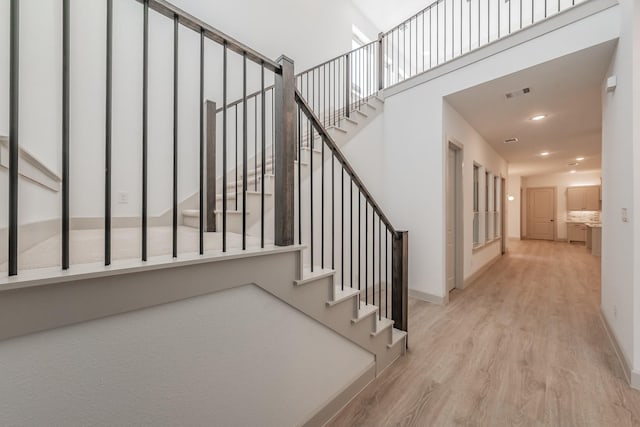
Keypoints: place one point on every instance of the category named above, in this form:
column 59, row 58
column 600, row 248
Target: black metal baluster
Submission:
column 359, row 244
column 14, row 147
column 342, row 226
column 264, row 155
column 224, row 147
column 145, row 127
column 373, row 255
column 347, row 85
column 321, row 204
column 107, row 134
column 175, row 136
column 380, row 263
column 333, row 211
column 202, row 207
column 351, row 230
column 444, row 32
column 438, row 32
column 244, row 151
column 366, row 250
column 386, row 273
column 311, row 188
column 488, row 21
column 545, row 9
column 299, row 176
column 66, row 57
column 499, row 11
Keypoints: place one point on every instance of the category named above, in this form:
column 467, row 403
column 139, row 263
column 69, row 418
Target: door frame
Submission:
column 503, row 210
column 459, row 214
column 555, row 209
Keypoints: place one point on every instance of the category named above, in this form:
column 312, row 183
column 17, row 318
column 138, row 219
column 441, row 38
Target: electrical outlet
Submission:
column 625, row 217
column 123, row 198
column 615, row 312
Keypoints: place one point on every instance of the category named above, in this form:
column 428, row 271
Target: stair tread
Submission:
column 340, row 295
column 318, row 273
column 364, row 312
column 382, row 325
column 396, row 336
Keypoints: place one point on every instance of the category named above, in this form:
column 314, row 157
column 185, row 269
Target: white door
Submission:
column 451, row 219
column 541, row 213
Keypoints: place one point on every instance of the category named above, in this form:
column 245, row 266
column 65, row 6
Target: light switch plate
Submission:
column 625, row 218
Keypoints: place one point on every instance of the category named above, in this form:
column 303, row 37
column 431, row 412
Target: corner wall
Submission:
column 619, row 153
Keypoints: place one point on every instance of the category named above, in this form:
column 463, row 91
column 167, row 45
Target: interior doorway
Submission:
column 454, row 225
column 541, row 213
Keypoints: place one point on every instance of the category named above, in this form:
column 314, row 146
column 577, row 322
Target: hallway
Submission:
column 524, row 345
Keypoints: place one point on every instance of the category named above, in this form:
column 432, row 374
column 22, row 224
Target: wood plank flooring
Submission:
column 523, row 346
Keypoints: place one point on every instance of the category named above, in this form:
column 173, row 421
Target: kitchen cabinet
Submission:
column 576, row 232
column 583, row 198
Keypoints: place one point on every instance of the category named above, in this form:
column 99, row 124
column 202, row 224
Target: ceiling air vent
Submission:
column 511, row 140
column 573, row 164
column 517, row 93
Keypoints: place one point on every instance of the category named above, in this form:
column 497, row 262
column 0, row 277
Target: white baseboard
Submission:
column 423, row 296
column 624, row 363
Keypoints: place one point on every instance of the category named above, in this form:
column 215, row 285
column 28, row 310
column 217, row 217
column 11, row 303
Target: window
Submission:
column 487, row 203
column 496, row 207
column 476, row 205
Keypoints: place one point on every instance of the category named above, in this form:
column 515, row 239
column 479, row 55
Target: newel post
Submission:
column 380, row 61
column 285, row 152
column 400, row 283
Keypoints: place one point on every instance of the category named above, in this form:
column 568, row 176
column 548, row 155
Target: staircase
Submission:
column 348, row 127
column 297, row 212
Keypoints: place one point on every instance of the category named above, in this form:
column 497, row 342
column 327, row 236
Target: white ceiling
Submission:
column 568, row 90
column 385, row 14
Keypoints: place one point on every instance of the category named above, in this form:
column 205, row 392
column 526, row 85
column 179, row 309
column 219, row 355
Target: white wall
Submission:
column 618, row 251
column 514, row 184
column 179, row 364
column 475, row 150
column 415, row 149
column 636, row 186
column 561, row 181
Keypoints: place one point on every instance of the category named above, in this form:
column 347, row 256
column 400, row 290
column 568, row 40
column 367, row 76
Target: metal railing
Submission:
column 336, row 88
column 207, row 34
column 343, row 226
column 443, row 31
column 447, row 29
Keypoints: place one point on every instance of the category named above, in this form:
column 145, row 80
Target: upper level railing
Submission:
column 445, row 30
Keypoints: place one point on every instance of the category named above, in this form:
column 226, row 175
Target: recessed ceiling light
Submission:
column 579, row 159
column 544, row 153
column 538, row 117
column 573, row 171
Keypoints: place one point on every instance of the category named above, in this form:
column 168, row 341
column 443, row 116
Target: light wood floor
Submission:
column 524, row 345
